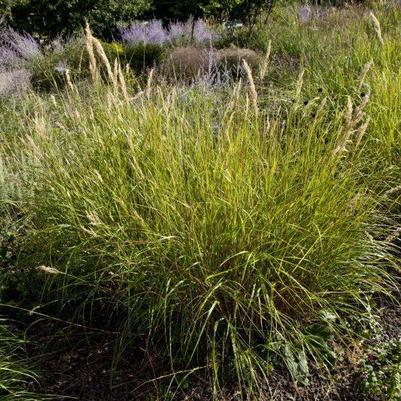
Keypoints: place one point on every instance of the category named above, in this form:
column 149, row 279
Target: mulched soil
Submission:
column 79, row 365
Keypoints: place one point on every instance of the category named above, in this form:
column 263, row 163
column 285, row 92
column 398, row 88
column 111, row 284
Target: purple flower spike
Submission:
column 151, row 32
column 177, row 33
column 155, row 33
column 9, row 58
column 23, row 44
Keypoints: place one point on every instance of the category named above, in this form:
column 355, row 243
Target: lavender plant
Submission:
column 304, row 13
column 139, row 32
column 178, row 33
column 23, row 45
column 8, row 58
column 182, row 33
column 16, row 49
column 14, row 82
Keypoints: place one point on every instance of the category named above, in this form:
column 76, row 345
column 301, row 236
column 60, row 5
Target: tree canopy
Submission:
column 233, row 9
column 54, row 17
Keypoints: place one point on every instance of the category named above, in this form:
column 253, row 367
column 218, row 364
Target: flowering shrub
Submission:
column 22, row 44
column 17, row 48
column 181, row 32
column 8, row 58
column 140, row 32
column 14, row 82
column 178, row 33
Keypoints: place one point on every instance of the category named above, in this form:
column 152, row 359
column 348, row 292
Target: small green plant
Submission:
column 14, row 375
column 48, row 72
column 381, row 371
column 142, row 56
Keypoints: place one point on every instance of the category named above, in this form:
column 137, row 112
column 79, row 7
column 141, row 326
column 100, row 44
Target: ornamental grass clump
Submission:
column 233, row 241
column 14, row 374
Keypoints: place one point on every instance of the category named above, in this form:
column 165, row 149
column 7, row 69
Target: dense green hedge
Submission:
column 66, row 16
column 238, row 9
column 55, row 17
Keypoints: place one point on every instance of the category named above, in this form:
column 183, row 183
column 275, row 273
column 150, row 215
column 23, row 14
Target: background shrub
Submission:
column 230, row 60
column 191, row 32
column 187, row 62
column 48, row 72
column 244, row 10
column 66, row 16
column 144, row 55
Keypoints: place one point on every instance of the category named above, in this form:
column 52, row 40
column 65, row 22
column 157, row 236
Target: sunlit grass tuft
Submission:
column 237, row 232
column 14, row 374
column 226, row 235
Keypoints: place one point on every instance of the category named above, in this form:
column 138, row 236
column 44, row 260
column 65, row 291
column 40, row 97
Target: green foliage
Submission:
column 14, row 375
column 44, row 76
column 4, row 11
column 219, row 243
column 236, row 228
column 144, row 55
column 381, row 371
column 48, row 72
column 113, row 50
column 66, row 16
column 246, row 10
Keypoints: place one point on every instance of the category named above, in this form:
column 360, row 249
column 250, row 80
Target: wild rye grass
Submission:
column 227, row 237
column 14, row 372
column 236, row 239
